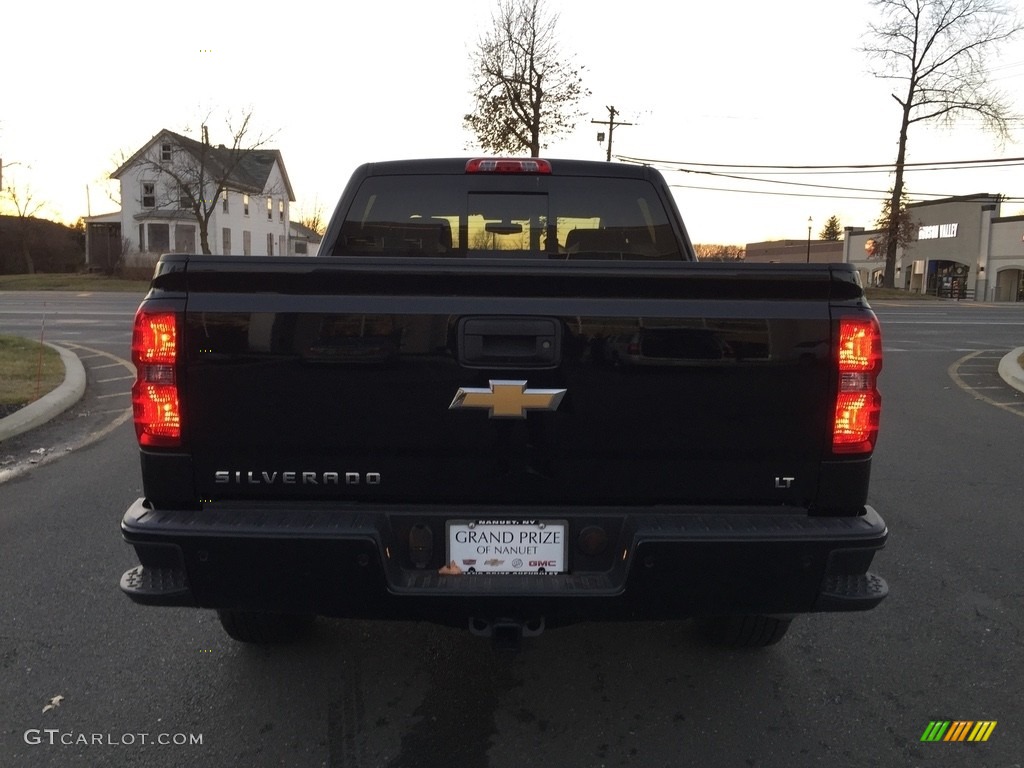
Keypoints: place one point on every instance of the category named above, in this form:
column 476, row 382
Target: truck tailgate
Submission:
column 333, row 379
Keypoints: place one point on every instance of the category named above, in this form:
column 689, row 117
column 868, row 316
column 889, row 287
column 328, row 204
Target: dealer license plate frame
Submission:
column 508, row 547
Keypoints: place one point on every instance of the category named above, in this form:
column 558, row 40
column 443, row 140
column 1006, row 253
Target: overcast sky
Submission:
column 748, row 82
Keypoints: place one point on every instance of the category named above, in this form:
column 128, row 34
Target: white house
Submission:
column 244, row 195
column 305, row 241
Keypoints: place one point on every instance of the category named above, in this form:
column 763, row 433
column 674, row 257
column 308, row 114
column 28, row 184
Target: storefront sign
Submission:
column 935, row 231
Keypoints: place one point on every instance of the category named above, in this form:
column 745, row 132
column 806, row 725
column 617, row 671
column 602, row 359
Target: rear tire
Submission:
column 262, row 628
column 754, row 631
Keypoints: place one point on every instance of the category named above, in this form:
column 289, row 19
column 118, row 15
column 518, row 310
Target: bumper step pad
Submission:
column 852, row 592
column 157, row 586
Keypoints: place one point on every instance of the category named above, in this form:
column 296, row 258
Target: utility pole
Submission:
column 612, row 125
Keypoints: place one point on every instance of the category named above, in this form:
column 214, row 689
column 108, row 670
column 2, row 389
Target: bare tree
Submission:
column 938, row 50
column 26, row 206
column 525, row 90
column 315, row 218
column 714, row 252
column 195, row 174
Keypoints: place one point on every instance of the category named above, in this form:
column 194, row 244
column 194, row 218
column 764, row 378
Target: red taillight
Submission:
column 155, row 339
column 860, row 346
column 508, row 165
column 155, row 401
column 858, row 402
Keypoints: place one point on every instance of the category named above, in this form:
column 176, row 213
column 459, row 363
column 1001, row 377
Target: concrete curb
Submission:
column 52, row 404
column 1010, row 369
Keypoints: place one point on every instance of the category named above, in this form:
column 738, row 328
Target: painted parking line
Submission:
column 1016, row 408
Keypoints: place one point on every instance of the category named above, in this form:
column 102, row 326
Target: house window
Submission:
column 246, row 242
column 225, row 235
column 270, row 244
column 142, row 238
column 270, row 209
column 300, row 248
column 280, row 210
column 224, row 201
column 245, row 205
column 184, row 198
column 149, row 194
column 159, row 238
column 165, row 153
column 184, row 238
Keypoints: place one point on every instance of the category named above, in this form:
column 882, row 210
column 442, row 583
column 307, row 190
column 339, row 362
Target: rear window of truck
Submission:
column 502, row 217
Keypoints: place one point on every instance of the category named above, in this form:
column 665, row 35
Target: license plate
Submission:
column 508, row 546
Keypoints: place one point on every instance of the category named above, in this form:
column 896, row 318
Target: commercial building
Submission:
column 963, row 249
column 794, row 252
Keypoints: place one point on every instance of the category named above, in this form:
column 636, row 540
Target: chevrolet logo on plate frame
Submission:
column 507, row 399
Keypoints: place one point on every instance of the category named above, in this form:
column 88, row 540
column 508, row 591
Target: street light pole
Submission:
column 809, row 239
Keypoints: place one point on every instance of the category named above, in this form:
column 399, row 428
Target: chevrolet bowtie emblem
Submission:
column 507, row 399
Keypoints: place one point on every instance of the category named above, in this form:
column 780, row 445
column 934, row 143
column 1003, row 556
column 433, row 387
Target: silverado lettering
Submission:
column 249, row 477
column 530, row 352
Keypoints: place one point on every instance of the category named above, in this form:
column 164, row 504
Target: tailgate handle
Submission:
column 510, row 342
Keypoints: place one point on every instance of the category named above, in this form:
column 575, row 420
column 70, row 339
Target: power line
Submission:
column 759, row 176
column 880, row 193
column 913, row 197
column 915, row 170
column 796, row 183
column 773, row 194
column 935, row 165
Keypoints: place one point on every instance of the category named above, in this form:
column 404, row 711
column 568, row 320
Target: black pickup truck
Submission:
column 505, row 396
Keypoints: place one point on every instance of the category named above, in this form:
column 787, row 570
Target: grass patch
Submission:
column 28, row 370
column 72, row 282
